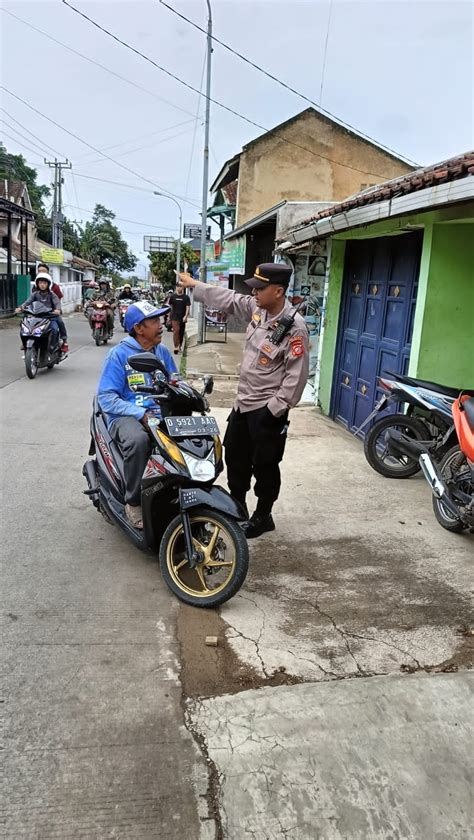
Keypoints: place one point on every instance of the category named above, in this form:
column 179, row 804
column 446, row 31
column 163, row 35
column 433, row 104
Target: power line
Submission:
column 195, row 129
column 216, row 102
column 24, row 146
column 324, row 59
column 121, row 184
column 141, row 137
column 97, row 63
column 119, row 219
column 139, row 148
column 28, row 131
column 38, row 148
column 90, row 146
column 284, row 84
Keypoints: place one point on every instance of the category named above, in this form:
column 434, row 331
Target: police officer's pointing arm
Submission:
column 296, row 374
column 225, row 299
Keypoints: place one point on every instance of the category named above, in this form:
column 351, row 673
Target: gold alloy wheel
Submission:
column 218, row 549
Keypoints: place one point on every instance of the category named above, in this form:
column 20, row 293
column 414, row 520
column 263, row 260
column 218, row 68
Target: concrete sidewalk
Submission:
column 217, row 357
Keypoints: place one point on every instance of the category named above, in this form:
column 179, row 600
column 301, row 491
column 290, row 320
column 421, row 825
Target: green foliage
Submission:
column 163, row 265
column 15, row 168
column 101, row 242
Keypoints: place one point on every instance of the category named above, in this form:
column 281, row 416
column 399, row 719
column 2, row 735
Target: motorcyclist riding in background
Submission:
column 127, row 293
column 43, row 294
column 105, row 293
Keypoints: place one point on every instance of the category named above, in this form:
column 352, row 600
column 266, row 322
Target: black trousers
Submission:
column 135, row 445
column 254, row 445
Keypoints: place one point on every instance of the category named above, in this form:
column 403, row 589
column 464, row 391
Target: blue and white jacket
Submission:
column 116, row 397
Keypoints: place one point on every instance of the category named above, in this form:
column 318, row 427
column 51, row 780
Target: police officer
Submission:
column 273, row 374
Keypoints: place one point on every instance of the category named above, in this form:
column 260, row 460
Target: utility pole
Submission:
column 205, row 172
column 178, row 243
column 57, row 215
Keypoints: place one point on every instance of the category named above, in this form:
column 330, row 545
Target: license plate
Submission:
column 191, row 426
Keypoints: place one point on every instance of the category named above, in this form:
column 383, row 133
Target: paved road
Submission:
column 96, row 745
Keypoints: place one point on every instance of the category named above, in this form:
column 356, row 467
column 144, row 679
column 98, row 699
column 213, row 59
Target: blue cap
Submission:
column 138, row 312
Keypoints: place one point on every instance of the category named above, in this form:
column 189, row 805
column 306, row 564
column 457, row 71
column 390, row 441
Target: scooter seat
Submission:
column 468, row 406
column 445, row 390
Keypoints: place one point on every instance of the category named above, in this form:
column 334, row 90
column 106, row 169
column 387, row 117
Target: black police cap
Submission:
column 270, row 274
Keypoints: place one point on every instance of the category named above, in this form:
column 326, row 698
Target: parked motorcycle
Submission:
column 428, row 421
column 191, row 523
column 123, row 306
column 97, row 313
column 37, row 339
column 452, row 481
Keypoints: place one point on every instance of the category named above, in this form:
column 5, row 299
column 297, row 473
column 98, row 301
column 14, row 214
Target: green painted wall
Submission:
column 331, row 322
column 443, row 340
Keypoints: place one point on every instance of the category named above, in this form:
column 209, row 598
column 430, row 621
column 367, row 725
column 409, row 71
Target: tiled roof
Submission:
column 430, row 176
column 12, row 190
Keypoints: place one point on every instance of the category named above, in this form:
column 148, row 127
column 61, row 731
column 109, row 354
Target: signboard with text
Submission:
column 160, row 244
column 195, row 231
column 55, row 256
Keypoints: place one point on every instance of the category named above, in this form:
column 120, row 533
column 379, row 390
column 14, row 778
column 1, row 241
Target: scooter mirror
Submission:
column 208, row 384
column 147, row 363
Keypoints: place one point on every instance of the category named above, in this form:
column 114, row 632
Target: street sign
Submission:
column 162, row 244
column 52, row 255
column 195, row 231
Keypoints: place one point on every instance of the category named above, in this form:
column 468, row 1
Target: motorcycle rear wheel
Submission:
column 452, row 463
column 378, row 456
column 225, row 559
column 31, row 362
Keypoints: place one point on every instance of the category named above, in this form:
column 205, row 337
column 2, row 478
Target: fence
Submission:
column 8, row 294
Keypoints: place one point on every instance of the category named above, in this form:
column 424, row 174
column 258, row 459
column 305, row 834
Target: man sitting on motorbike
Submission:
column 127, row 293
column 105, row 293
column 127, row 412
column 43, row 294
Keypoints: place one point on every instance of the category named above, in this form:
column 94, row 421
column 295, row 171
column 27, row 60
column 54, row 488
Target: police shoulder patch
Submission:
column 296, row 346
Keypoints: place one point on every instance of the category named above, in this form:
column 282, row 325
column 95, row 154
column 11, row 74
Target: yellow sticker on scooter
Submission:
column 136, row 379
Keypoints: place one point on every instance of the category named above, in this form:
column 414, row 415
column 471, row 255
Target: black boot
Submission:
column 257, row 525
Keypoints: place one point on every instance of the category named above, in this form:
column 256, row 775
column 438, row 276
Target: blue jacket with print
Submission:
column 115, row 395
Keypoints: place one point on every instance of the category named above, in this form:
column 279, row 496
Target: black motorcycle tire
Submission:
column 444, row 517
column 31, row 362
column 241, row 559
column 411, row 424
column 97, row 337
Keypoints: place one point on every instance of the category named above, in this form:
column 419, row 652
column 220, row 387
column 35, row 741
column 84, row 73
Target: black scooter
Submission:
column 395, row 441
column 37, row 339
column 192, row 524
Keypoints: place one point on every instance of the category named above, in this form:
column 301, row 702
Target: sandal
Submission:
column 134, row 516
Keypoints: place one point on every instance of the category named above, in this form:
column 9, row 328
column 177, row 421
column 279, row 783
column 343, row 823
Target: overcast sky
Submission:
column 401, row 72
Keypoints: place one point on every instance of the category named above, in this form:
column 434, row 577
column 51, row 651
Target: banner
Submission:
column 233, row 254
column 52, row 255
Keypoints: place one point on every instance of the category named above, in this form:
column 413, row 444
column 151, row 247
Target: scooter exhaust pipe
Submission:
column 401, row 445
column 438, row 486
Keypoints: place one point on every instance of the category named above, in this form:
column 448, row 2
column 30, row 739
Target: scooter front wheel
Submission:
column 31, row 362
column 222, row 563
column 97, row 337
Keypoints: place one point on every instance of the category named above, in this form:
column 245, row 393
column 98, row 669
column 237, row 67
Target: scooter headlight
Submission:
column 199, row 469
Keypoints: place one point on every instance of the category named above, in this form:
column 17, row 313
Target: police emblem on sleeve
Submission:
column 296, row 346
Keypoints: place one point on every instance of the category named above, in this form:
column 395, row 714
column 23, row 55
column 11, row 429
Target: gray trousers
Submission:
column 135, row 445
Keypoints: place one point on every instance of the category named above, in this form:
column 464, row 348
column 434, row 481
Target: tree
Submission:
column 163, row 265
column 101, row 242
column 15, row 168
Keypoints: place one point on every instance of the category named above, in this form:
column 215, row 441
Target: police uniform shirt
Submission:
column 271, row 375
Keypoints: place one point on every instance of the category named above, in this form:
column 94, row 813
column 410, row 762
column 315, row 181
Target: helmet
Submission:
column 43, row 276
column 127, row 286
column 138, row 312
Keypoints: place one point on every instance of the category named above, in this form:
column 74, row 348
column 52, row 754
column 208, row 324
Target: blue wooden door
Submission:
column 375, row 329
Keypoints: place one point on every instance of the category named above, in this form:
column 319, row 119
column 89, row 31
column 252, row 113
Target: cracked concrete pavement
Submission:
column 356, row 591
